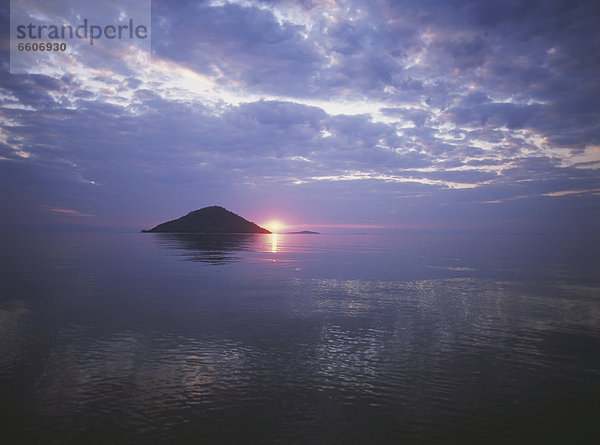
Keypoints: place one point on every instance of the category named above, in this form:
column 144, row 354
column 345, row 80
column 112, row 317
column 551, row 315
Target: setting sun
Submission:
column 274, row 226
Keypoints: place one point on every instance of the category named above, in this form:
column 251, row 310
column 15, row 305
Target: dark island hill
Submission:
column 213, row 219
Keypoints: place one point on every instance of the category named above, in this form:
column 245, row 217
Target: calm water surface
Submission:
column 307, row 339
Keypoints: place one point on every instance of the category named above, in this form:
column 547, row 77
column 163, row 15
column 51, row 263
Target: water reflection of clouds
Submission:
column 349, row 357
column 318, row 344
column 448, row 332
column 442, row 311
column 135, row 376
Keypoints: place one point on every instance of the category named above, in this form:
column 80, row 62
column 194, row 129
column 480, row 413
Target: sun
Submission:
column 274, row 226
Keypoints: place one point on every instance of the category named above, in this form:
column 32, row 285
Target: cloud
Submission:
column 237, row 45
column 410, row 111
column 69, row 212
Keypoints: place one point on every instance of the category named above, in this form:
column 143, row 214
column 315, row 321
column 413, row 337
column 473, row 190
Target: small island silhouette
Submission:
column 214, row 219
column 303, row 232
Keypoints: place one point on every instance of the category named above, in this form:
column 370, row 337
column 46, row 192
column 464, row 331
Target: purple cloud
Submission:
column 437, row 112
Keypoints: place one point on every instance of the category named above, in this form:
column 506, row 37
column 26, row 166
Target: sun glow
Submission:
column 275, row 226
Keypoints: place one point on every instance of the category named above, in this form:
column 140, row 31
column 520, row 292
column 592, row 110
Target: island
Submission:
column 303, row 232
column 214, row 219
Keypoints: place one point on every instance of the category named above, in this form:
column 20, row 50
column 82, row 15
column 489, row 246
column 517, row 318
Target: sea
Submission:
column 411, row 337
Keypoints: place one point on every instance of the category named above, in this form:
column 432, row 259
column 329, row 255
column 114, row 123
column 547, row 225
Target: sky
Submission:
column 328, row 115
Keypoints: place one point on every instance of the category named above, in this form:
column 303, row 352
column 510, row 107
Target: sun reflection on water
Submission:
column 273, row 243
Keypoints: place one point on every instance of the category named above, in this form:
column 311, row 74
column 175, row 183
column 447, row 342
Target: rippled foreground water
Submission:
column 317, row 339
